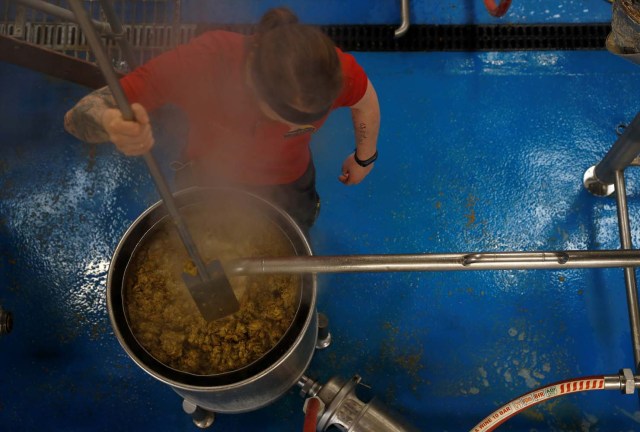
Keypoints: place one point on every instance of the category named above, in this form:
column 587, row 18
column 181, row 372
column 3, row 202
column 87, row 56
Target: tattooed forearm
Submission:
column 83, row 124
column 361, row 133
column 366, row 125
column 84, row 120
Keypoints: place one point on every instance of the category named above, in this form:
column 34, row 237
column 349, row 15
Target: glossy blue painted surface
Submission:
column 478, row 152
column 388, row 12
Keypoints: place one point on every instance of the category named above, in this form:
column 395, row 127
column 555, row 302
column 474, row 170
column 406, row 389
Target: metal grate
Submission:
column 154, row 26
column 151, row 26
column 459, row 37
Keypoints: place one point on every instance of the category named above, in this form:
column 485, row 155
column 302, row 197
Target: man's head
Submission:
column 295, row 69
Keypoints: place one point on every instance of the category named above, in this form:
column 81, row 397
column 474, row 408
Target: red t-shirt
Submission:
column 227, row 130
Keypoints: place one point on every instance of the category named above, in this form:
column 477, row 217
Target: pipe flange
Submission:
column 594, row 185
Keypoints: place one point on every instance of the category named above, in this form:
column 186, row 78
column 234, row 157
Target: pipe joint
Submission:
column 308, row 387
column 627, row 381
column 594, row 185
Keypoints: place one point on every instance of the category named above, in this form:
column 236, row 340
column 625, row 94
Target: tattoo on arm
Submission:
column 361, row 133
column 84, row 120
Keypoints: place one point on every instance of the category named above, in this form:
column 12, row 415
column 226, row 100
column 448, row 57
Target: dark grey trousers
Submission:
column 299, row 198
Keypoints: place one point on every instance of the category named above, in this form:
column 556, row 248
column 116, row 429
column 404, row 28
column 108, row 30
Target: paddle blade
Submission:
column 214, row 297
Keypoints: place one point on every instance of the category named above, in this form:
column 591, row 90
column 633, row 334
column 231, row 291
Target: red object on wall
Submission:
column 497, row 10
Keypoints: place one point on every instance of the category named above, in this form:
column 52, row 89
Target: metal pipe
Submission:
column 60, row 12
column 118, row 33
column 404, row 11
column 629, row 272
column 552, row 260
column 623, row 151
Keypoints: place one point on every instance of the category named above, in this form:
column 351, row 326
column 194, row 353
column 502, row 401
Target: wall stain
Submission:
column 471, row 216
column 409, row 361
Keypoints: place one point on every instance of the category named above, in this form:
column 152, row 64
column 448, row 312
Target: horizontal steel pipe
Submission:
column 550, row 260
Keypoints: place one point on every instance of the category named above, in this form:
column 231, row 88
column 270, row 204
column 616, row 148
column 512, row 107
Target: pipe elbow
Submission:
column 404, row 26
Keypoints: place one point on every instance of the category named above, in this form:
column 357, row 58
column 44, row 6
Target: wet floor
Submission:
column 478, row 152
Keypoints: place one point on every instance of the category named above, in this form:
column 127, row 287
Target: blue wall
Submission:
column 478, row 152
column 388, row 11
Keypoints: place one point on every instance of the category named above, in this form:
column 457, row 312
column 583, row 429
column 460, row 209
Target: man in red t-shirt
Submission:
column 252, row 103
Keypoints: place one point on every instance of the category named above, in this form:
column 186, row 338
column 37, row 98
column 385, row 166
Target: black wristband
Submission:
column 366, row 162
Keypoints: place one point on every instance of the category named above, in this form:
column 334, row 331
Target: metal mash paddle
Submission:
column 210, row 289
